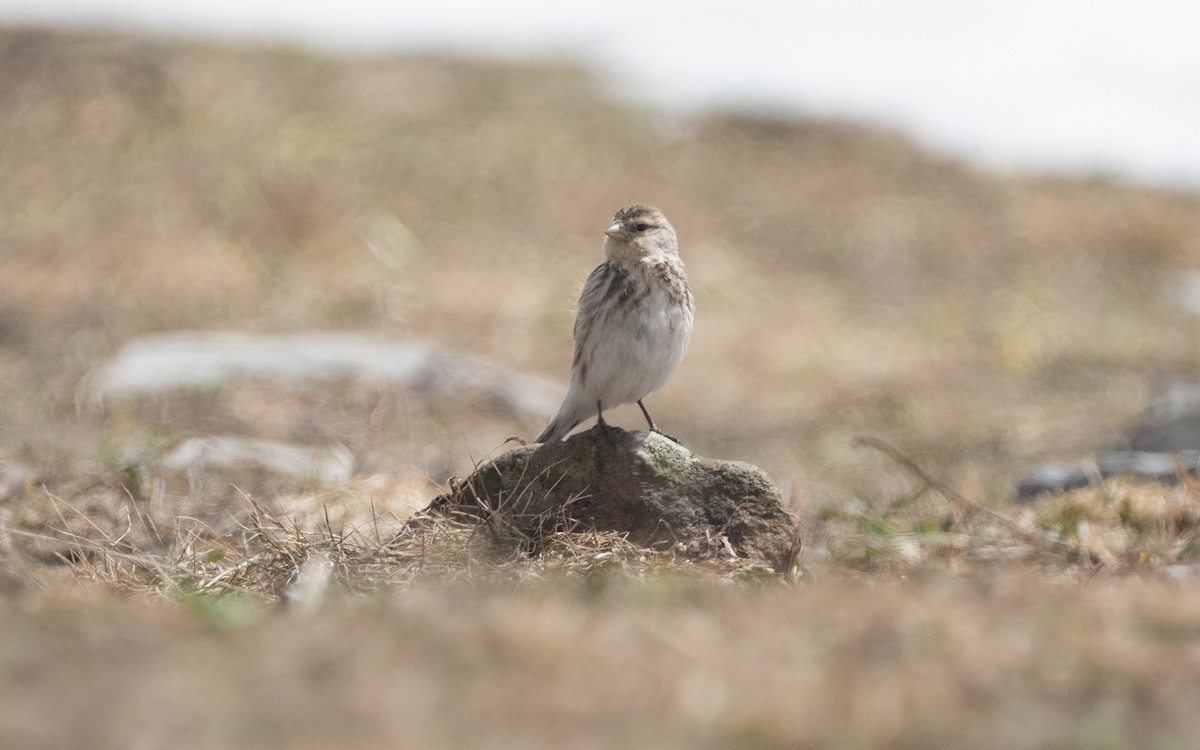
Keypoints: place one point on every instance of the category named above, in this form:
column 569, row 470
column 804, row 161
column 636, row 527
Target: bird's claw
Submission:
column 672, row 438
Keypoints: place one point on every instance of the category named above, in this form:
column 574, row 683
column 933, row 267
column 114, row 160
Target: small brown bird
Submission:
column 633, row 323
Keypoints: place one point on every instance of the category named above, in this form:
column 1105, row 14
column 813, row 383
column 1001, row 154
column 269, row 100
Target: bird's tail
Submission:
column 556, row 431
column 567, row 419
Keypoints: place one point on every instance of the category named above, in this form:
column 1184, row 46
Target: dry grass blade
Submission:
column 958, row 499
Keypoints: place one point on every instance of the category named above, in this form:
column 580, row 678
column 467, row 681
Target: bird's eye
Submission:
column 642, row 227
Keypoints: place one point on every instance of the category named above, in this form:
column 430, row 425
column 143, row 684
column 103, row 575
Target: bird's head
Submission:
column 639, row 231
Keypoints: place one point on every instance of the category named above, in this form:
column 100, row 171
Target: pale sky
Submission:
column 1049, row 84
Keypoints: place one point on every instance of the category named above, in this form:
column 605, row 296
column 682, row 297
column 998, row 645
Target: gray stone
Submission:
column 159, row 362
column 1165, row 442
column 639, row 483
column 1146, row 466
column 322, row 466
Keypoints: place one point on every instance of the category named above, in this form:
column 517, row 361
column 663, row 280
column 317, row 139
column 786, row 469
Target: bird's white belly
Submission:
column 639, row 356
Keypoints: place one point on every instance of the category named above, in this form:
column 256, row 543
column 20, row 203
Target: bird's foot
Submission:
column 611, row 434
column 672, row 438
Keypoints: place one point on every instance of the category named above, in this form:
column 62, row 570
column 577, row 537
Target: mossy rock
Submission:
column 639, row 483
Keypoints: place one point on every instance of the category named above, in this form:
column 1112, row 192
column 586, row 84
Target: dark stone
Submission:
column 1165, row 443
column 639, row 483
column 1146, row 466
column 1178, row 434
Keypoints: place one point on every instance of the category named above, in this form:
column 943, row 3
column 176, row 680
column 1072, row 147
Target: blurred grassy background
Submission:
column 847, row 282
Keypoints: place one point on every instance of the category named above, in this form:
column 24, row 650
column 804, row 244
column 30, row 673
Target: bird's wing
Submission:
column 591, row 299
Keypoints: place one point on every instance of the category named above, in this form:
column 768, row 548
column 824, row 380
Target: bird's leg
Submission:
column 649, row 419
column 605, row 427
column 654, row 427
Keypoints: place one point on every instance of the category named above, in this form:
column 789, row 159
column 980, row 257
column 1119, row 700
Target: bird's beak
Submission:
column 615, row 231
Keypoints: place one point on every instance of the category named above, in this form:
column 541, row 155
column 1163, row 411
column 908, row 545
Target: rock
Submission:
column 1170, row 422
column 1146, row 466
column 1166, row 441
column 211, row 465
column 639, row 483
column 322, row 466
column 202, row 359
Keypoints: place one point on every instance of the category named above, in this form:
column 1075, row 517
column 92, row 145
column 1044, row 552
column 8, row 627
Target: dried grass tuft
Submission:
column 1115, row 527
column 275, row 558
